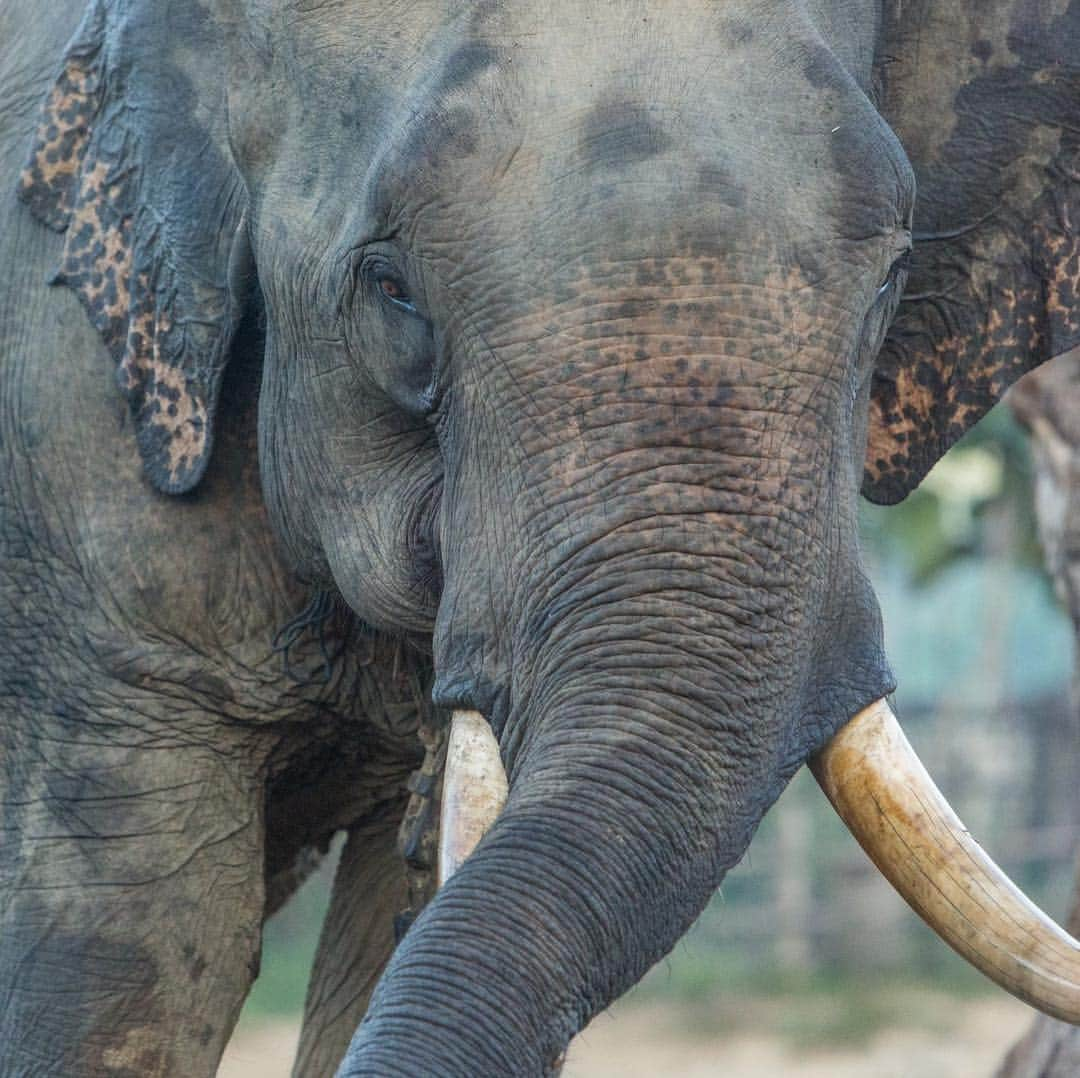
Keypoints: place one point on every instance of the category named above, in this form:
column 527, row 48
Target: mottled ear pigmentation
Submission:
column 152, row 209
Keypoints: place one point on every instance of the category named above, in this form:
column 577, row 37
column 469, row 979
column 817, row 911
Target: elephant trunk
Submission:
column 564, row 905
column 629, row 800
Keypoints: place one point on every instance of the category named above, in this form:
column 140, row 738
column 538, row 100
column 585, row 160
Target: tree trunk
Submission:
column 1048, row 402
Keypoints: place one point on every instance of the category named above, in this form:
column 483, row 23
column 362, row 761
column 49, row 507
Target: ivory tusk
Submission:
column 882, row 792
column 474, row 789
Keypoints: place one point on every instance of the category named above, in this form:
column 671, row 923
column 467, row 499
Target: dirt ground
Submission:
column 647, row 1040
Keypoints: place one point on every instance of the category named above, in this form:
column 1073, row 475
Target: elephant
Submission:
column 478, row 358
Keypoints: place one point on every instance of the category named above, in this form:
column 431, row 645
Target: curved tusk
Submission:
column 474, row 789
column 882, row 792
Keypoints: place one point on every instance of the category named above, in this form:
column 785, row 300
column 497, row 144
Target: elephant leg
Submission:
column 131, row 897
column 356, row 943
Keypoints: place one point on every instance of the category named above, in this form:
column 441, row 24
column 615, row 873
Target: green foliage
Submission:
column 289, row 942
column 824, row 1007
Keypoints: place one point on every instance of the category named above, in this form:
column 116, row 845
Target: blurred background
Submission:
column 806, row 963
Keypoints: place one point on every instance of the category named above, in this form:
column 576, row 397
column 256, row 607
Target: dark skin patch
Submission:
column 619, row 134
column 739, row 33
column 452, row 135
column 714, row 181
column 358, row 101
column 467, row 63
column 821, row 69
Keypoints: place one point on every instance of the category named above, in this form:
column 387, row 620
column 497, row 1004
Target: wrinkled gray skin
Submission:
column 560, row 320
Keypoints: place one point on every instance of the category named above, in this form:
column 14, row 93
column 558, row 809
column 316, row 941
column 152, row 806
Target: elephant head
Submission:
column 583, row 330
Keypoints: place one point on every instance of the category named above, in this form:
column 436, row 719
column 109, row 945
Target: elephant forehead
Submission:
column 496, row 120
column 600, row 97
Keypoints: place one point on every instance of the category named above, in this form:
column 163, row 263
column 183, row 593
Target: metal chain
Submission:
column 418, row 835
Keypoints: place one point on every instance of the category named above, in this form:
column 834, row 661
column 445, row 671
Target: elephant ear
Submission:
column 131, row 162
column 985, row 97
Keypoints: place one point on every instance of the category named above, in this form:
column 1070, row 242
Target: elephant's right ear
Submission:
column 131, row 161
column 985, row 97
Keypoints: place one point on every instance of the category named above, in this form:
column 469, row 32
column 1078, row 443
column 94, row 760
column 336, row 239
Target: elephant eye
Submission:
column 394, row 289
column 898, row 267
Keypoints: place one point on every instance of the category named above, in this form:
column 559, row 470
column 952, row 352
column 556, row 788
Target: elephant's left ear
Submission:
column 985, row 97
column 131, row 162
